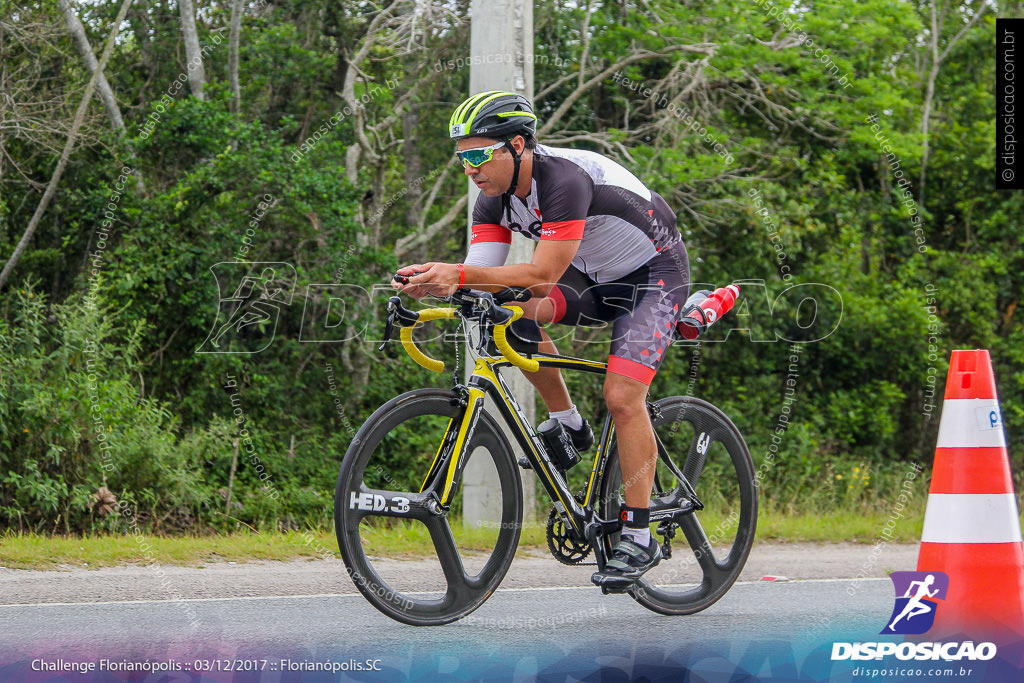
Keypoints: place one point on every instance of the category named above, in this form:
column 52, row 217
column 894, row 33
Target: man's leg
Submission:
column 637, row 550
column 547, row 381
column 640, row 341
column 549, row 384
column 638, row 451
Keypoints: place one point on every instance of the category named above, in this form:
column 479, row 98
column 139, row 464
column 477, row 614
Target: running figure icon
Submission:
column 252, row 310
column 916, row 606
column 250, row 299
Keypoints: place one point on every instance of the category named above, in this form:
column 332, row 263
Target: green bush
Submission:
column 74, row 418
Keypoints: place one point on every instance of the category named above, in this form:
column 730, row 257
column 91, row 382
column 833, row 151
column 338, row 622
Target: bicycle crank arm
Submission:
column 679, row 499
column 684, row 508
column 594, row 532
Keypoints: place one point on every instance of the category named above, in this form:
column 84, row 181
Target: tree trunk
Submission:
column 938, row 22
column 925, row 120
column 413, row 166
column 144, row 26
column 231, row 480
column 77, row 32
column 929, row 96
column 51, row 188
column 233, row 37
column 196, row 72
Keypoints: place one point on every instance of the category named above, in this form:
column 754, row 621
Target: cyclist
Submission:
column 608, row 250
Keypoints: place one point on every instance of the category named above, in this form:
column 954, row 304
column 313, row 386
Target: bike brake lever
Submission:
column 388, row 329
column 500, row 315
column 481, row 345
column 389, row 326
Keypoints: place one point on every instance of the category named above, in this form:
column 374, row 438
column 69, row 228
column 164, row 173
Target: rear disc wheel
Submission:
column 698, row 441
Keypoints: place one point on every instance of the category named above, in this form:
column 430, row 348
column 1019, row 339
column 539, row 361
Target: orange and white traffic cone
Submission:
column 971, row 527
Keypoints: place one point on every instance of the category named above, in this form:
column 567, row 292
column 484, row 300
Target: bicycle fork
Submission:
column 451, row 454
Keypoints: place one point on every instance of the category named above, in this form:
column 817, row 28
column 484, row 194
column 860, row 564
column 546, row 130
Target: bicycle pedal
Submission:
column 610, row 584
column 525, row 464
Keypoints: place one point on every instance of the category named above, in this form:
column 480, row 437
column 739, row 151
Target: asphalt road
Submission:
column 535, row 617
column 543, row 632
column 532, row 568
column 298, row 621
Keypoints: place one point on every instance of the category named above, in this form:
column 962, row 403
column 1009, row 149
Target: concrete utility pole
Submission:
column 501, row 52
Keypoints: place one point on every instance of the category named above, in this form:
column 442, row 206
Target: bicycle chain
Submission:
column 455, row 372
column 667, row 529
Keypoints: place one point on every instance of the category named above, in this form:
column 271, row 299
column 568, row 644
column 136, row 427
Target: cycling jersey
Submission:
column 631, row 268
column 643, row 308
column 581, row 195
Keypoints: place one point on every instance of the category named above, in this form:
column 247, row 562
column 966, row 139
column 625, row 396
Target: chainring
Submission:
column 564, row 547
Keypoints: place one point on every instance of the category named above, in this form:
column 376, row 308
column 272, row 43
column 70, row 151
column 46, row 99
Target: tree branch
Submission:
column 432, row 195
column 701, row 48
column 965, row 29
column 51, row 189
column 407, row 244
column 77, row 32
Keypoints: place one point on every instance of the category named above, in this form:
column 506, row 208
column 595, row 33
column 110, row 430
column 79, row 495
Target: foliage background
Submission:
column 356, row 195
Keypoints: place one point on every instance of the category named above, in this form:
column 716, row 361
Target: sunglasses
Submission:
column 478, row 156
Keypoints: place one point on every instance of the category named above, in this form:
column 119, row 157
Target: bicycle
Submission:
column 431, row 434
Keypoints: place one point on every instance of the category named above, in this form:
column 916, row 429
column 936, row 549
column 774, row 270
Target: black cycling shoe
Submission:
column 629, row 562
column 582, row 438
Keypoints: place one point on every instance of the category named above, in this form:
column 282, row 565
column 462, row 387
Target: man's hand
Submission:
column 550, row 260
column 438, row 279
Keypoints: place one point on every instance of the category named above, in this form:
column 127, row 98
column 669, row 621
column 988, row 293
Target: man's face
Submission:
column 495, row 176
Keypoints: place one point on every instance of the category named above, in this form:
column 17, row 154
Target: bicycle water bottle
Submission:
column 703, row 308
column 559, row 445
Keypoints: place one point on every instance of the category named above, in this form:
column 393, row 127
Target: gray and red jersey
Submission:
column 631, row 268
column 579, row 195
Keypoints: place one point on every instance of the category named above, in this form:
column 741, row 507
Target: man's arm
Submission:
column 550, row 261
column 564, row 193
column 551, row 258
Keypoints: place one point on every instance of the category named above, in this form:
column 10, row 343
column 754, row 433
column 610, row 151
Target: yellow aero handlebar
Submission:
column 405, row 334
column 500, row 340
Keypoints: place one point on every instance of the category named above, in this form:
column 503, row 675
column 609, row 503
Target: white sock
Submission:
column 570, row 418
column 642, row 537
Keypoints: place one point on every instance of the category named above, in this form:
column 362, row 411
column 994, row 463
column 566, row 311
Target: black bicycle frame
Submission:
column 577, row 514
column 581, row 518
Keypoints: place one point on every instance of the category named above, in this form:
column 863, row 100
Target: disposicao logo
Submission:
column 947, row 652
column 917, row 596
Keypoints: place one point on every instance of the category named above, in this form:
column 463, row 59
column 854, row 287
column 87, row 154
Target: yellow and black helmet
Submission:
column 495, row 114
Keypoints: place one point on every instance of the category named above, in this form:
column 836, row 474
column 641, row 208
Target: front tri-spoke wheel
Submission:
column 709, row 547
column 386, row 512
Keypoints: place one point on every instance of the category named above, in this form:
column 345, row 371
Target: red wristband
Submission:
column 462, row 274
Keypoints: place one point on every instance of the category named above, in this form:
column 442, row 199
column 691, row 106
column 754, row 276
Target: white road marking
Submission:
column 348, row 595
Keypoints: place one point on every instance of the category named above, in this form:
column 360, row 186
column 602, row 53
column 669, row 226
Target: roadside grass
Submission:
column 31, row 551
column 838, row 526
column 405, row 540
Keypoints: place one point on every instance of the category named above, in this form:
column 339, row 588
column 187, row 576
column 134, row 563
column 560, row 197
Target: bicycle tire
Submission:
column 697, row 576
column 391, row 448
